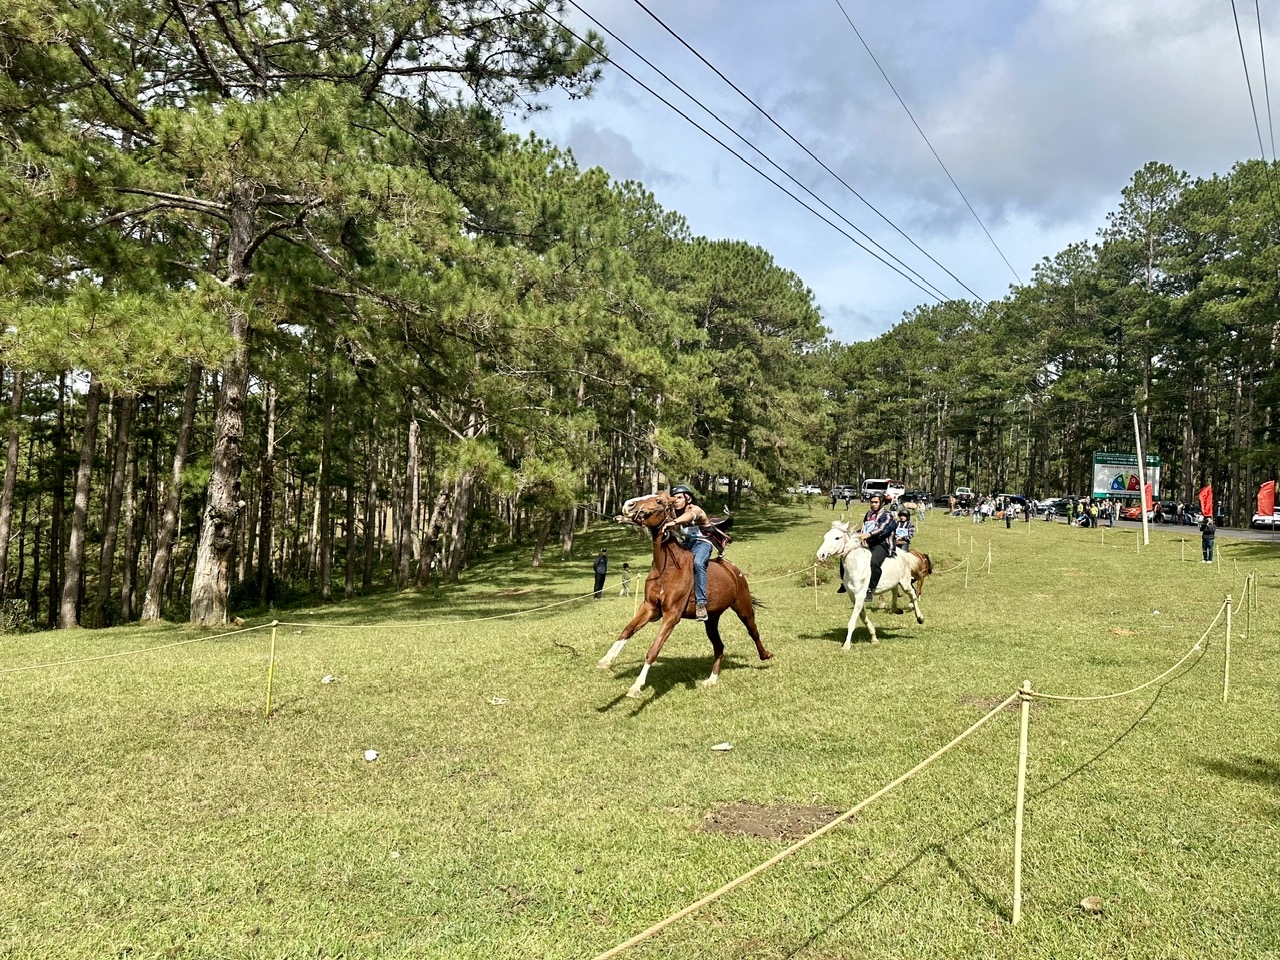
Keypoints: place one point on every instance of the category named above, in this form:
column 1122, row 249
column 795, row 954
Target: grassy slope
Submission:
column 149, row 806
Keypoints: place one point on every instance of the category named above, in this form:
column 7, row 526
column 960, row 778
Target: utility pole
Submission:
column 1142, row 482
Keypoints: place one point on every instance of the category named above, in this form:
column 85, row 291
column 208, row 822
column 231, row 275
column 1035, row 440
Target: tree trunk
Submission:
column 266, row 513
column 431, row 540
column 349, row 521
column 10, row 480
column 152, row 605
column 111, row 522
column 210, row 585
column 409, row 502
column 326, row 527
column 132, row 541
column 80, row 508
column 371, row 518
column 57, row 558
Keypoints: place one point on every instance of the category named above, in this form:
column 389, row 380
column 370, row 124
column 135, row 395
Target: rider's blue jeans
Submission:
column 701, row 551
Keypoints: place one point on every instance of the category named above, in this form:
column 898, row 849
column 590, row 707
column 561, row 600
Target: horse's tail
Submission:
column 757, row 603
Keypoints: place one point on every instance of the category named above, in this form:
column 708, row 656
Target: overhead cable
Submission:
column 923, row 287
column 858, row 34
column 802, row 146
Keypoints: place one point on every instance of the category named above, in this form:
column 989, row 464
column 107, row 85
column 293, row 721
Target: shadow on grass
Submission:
column 1258, row 770
column 667, row 674
column 995, row 903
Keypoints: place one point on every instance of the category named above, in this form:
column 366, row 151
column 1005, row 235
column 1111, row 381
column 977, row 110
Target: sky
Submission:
column 1041, row 111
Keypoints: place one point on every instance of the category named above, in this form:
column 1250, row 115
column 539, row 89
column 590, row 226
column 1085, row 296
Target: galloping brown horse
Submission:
column 668, row 591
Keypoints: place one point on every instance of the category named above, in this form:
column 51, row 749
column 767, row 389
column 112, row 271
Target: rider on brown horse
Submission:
column 695, row 539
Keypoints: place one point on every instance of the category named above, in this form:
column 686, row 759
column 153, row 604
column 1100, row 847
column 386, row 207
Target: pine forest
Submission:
column 288, row 313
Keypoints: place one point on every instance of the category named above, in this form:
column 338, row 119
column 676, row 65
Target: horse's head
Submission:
column 648, row 511
column 840, row 539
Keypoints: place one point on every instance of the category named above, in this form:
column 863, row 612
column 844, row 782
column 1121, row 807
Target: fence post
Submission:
column 1226, row 666
column 1020, row 804
column 988, row 557
column 815, row 586
column 271, row 667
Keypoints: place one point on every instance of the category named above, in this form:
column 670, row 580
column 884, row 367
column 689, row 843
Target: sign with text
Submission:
column 1116, row 475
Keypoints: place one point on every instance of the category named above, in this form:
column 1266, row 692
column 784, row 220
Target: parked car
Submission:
column 1265, row 521
column 1131, row 513
column 1056, row 505
column 917, row 496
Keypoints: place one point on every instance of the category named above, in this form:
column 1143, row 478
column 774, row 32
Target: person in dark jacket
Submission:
column 1207, row 534
column 601, row 568
column 879, row 529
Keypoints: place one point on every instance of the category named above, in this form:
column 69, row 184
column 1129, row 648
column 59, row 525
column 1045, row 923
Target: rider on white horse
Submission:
column 878, row 532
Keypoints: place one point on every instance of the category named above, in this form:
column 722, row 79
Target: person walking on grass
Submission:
column 626, row 581
column 1207, row 533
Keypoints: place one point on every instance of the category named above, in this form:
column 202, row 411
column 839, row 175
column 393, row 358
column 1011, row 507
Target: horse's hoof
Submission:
column 604, row 663
column 920, row 620
column 847, row 645
column 767, row 655
column 634, row 693
column 875, row 639
column 710, row 682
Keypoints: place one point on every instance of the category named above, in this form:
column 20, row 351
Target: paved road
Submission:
column 1193, row 533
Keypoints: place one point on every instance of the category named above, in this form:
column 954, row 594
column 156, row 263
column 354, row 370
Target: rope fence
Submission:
column 1024, row 694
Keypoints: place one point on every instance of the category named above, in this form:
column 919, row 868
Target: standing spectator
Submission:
column 906, row 530
column 1222, row 513
column 1093, row 514
column 835, row 496
column 1008, row 514
column 1207, row 533
column 1111, row 513
column 601, row 567
column 626, row 580
column 848, row 497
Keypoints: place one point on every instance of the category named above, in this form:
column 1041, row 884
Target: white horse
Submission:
column 899, row 573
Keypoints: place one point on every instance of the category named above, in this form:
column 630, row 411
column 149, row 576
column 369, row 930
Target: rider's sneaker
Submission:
column 700, row 612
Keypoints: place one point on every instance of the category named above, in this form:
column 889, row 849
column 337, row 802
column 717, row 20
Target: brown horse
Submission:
column 668, row 591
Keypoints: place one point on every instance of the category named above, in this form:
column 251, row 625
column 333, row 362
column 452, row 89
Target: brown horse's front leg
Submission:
column 648, row 611
column 717, row 649
column 669, row 620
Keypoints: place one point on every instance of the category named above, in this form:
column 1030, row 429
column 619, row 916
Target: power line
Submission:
column 761, row 153
column 858, row 34
column 1253, row 106
column 1266, row 88
column 1248, row 82
column 789, row 136
column 934, row 293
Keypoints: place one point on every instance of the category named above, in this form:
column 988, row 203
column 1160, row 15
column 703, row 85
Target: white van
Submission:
column 889, row 489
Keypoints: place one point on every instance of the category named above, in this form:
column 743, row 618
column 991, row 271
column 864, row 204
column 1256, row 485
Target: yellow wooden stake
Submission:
column 988, row 557
column 271, row 666
column 815, row 586
column 966, row 574
column 1021, row 801
column 1226, row 665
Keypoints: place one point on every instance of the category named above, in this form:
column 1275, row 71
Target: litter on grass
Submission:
column 371, row 755
column 723, row 746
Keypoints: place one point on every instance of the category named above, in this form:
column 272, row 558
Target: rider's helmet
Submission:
column 681, row 488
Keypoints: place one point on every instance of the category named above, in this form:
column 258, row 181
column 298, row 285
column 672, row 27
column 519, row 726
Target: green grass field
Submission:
column 522, row 806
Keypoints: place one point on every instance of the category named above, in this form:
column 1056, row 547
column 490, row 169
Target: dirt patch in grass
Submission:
column 777, row 822
column 516, row 592
column 1122, row 632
